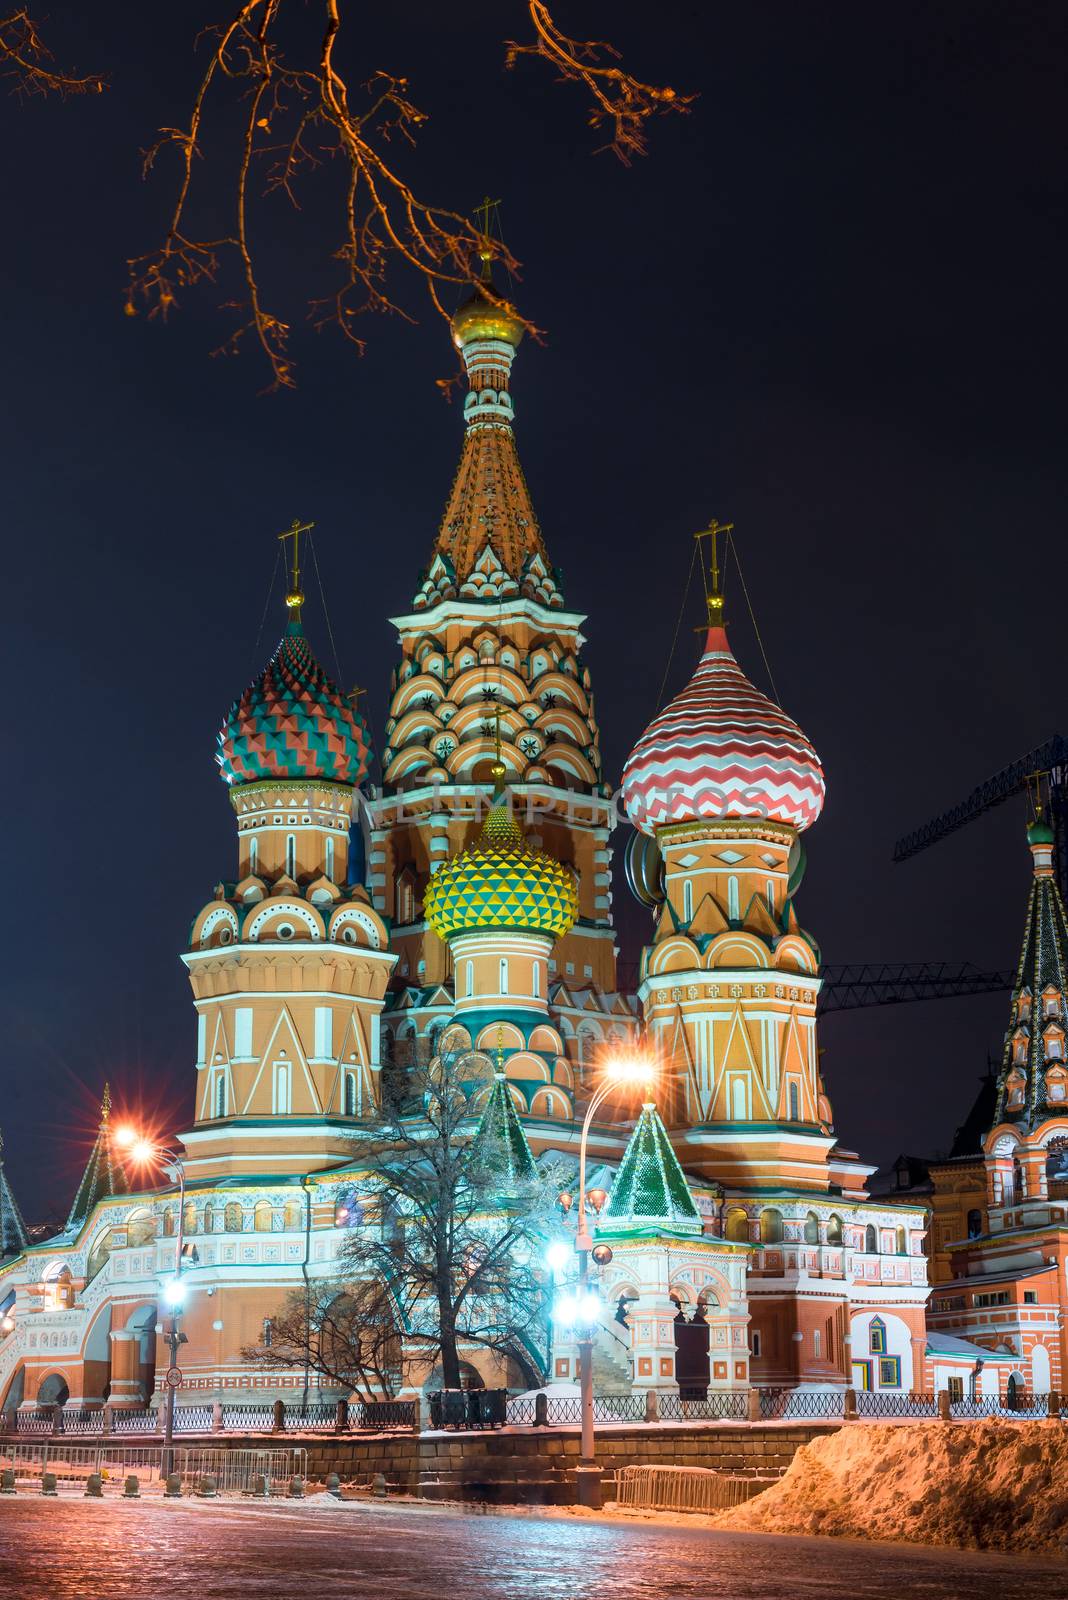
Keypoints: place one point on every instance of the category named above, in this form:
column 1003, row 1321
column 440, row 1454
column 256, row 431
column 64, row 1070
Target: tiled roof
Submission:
column 722, row 749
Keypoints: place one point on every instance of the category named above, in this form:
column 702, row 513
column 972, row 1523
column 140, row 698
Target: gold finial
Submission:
column 294, row 597
column 500, row 1050
column 498, row 768
column 486, row 214
column 105, row 1106
column 713, row 587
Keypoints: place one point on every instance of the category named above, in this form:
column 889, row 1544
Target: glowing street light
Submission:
column 623, row 1069
column 558, row 1255
column 144, row 1152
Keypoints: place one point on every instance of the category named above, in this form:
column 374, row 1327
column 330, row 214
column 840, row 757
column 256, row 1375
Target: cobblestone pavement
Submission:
column 70, row 1549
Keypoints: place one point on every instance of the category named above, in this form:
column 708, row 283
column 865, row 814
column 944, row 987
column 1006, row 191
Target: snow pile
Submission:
column 980, row 1485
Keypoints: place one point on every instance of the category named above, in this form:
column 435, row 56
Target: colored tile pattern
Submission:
column 499, row 1149
column 500, row 882
column 293, row 722
column 722, row 749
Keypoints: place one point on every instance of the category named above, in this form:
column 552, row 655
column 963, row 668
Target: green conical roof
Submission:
column 103, row 1175
column 1043, row 974
column 12, row 1228
column 499, row 1148
column 650, row 1186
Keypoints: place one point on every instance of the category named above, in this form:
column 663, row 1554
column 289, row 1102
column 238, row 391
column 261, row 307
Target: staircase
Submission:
column 611, row 1360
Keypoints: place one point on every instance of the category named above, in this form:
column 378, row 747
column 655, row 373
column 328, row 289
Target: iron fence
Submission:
column 880, row 1403
column 249, row 1418
column 382, row 1415
column 319, row 1417
column 192, row 1419
column 681, row 1488
column 135, row 1421
column 802, row 1405
column 520, row 1411
column 1022, row 1407
column 729, row 1406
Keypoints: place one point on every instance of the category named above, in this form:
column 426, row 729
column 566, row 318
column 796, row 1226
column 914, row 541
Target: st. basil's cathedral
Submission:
column 466, row 901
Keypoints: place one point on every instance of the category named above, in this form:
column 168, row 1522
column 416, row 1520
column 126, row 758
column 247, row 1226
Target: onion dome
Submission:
column 293, row 722
column 722, row 749
column 501, row 882
column 480, row 318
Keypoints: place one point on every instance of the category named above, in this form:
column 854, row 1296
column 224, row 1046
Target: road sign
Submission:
column 174, row 1377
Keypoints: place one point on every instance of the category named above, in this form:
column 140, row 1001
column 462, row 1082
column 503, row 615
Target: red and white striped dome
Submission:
column 722, row 749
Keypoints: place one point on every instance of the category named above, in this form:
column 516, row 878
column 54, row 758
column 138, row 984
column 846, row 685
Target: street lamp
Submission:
column 144, row 1152
column 620, row 1072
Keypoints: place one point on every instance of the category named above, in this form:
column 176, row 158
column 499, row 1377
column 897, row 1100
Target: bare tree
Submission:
column 26, row 61
column 300, row 108
column 345, row 1333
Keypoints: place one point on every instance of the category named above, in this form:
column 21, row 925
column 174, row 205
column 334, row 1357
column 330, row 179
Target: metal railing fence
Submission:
column 681, row 1488
column 877, row 1403
column 802, row 1405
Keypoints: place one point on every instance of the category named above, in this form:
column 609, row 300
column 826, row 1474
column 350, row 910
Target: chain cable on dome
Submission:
column 267, row 602
column 752, row 617
column 678, row 625
column 326, row 612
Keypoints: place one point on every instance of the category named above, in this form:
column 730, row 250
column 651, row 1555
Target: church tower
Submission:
column 289, row 961
column 724, row 783
column 490, row 652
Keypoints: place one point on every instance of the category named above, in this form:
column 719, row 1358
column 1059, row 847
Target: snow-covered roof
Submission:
column 946, row 1344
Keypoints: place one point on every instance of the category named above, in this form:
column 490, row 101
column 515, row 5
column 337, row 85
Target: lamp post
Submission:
column 619, row 1073
column 168, row 1161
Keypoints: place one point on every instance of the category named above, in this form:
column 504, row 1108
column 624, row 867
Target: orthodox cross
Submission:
column 294, row 597
column 713, row 588
column 486, row 214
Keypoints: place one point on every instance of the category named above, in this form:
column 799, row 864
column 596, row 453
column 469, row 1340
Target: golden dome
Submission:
column 479, row 318
column 501, row 882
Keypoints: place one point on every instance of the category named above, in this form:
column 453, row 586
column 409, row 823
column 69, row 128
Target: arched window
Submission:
column 169, row 1223
column 687, row 901
column 795, row 1102
column 293, row 1216
column 291, row 855
column 536, row 979
column 220, row 1095
column 732, row 899
column 902, row 1243
column 503, row 977
column 233, row 1217
column 350, row 1094
column 812, row 1228
column 770, row 891
column 210, row 1218
column 329, row 859
column 1019, row 1189
column 262, row 1214
column 253, row 855
column 470, row 979
column 98, row 1255
column 834, row 1229
column 771, row 1226
column 871, row 1242
column 189, row 1217
column 282, row 1102
column 737, row 1226
column 140, row 1228
column 975, row 1224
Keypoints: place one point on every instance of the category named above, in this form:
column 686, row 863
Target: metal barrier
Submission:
column 235, row 1470
column 881, row 1403
column 382, row 1414
column 320, row 1417
column 681, row 1489
column 728, row 1406
column 789, row 1405
column 250, row 1419
column 1024, row 1408
column 135, row 1422
column 73, row 1463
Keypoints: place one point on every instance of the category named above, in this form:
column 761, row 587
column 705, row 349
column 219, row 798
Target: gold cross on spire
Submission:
column 486, row 215
column 498, row 769
column 294, row 597
column 713, row 586
column 105, row 1106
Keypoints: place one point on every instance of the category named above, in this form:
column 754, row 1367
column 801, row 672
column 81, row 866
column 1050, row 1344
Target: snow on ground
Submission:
column 979, row 1485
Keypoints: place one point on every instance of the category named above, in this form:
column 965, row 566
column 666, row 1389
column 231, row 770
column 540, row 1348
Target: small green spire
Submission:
column 650, row 1187
column 499, row 1149
column 103, row 1176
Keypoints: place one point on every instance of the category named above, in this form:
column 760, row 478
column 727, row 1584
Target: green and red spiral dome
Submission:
column 293, row 722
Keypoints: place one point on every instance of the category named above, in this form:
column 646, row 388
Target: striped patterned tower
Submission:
column 726, row 782
column 722, row 749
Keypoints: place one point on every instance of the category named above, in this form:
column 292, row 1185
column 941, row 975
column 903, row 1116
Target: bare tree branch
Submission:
column 300, row 112
column 24, row 58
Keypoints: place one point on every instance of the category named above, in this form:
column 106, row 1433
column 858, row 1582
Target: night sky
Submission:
column 827, row 306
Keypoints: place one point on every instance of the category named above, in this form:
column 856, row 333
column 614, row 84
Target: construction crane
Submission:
column 1048, row 766
column 885, row 983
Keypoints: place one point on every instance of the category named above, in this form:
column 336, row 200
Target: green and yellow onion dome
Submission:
column 480, row 318
column 502, row 882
